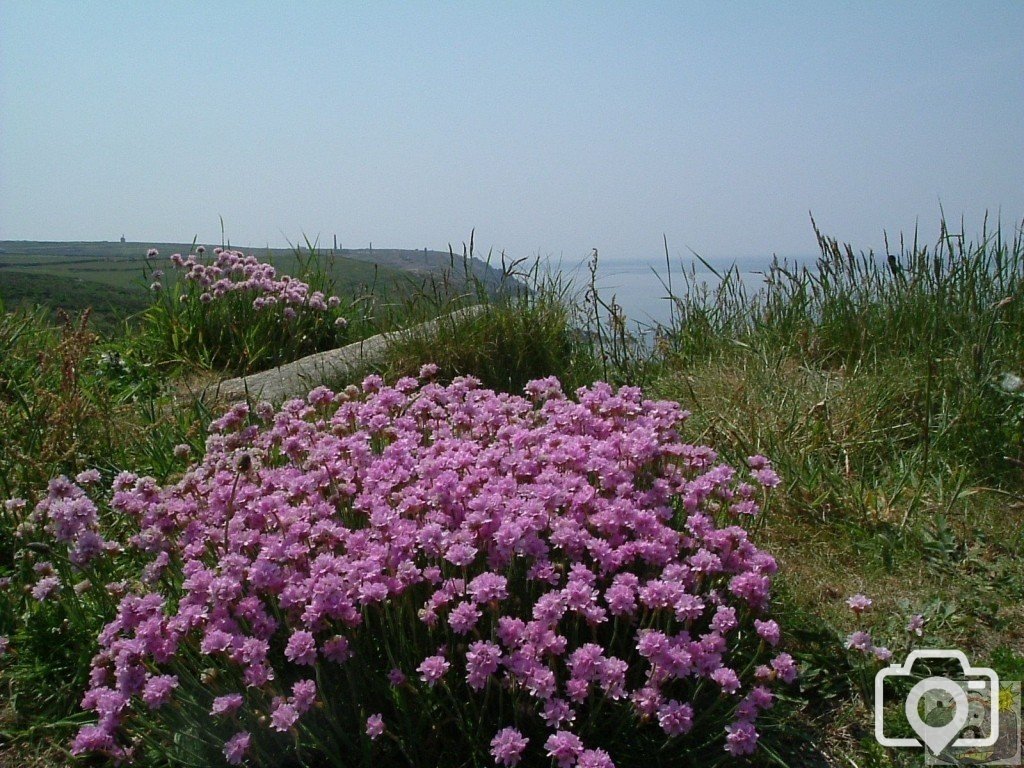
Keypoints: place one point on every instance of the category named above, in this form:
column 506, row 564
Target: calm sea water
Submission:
column 640, row 286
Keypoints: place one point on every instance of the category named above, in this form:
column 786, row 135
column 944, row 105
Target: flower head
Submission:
column 507, row 746
column 374, row 726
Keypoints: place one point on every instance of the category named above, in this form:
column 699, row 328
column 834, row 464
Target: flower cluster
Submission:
column 573, row 555
column 70, row 517
column 234, row 272
column 861, row 640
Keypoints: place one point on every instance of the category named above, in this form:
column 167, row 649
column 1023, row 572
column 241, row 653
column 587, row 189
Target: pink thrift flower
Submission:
column 507, row 746
column 374, row 726
column 757, row 462
column 301, row 648
column 88, row 477
column 674, row 718
column 859, row 603
column 464, row 617
column 860, row 641
column 564, row 748
column 741, row 738
column 236, row 747
column 303, row 695
column 768, row 630
column 45, row 588
column 727, row 679
column 158, row 690
column 227, row 704
column 785, row 667
column 432, row 669
column 916, row 624
column 283, row 716
column 882, row 653
column 337, row 649
column 594, row 758
column 488, row 587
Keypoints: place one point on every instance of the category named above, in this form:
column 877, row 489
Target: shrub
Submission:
column 237, row 314
column 434, row 576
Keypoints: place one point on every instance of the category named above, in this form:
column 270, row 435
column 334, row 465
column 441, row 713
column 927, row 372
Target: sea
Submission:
column 641, row 286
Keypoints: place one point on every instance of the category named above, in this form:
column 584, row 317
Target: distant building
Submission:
column 122, row 238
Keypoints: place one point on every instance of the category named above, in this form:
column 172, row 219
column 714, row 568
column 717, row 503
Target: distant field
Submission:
column 109, row 276
column 110, row 303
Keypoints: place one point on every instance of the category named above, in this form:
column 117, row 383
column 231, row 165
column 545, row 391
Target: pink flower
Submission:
column 158, row 690
column 916, row 624
column 432, row 669
column 337, row 649
column 859, row 603
column 88, row 477
column 482, row 660
column 303, row 695
column 785, row 667
column 283, row 715
column 45, row 588
column 464, row 617
column 236, row 747
column 860, row 641
column 594, row 758
column 675, row 718
column 727, row 679
column 301, row 648
column 564, row 747
column 227, row 704
column 507, row 746
column 757, row 462
column 374, row 726
column 741, row 739
column 488, row 587
column 768, row 630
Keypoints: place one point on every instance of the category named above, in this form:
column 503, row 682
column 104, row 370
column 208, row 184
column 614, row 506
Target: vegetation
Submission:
column 887, row 391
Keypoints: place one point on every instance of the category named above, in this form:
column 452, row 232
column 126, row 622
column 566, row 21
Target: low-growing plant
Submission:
column 235, row 313
column 431, row 575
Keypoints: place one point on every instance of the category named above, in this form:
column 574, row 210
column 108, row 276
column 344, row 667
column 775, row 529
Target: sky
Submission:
column 551, row 128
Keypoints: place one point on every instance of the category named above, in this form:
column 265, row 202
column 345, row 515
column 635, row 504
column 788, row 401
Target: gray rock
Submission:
column 298, row 378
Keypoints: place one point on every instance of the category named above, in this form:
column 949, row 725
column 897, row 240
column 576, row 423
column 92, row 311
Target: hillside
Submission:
column 109, row 276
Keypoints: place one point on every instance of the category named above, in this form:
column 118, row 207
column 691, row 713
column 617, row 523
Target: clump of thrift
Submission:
column 569, row 561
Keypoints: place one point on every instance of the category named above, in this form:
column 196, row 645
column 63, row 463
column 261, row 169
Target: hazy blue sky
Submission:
column 551, row 128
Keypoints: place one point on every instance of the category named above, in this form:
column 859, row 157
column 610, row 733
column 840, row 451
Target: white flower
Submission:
column 1011, row 382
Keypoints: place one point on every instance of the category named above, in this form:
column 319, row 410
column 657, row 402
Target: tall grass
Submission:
column 885, row 389
column 524, row 326
column 939, row 325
